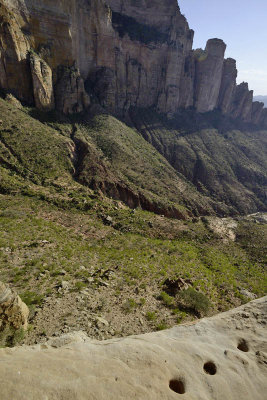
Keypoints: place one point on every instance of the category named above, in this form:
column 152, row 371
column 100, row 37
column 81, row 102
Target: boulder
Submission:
column 13, row 312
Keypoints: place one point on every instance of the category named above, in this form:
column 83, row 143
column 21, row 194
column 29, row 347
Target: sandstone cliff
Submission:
column 220, row 358
column 123, row 53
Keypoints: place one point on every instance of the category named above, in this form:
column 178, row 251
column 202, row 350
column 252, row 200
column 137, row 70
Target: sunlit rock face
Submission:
column 125, row 53
column 209, row 67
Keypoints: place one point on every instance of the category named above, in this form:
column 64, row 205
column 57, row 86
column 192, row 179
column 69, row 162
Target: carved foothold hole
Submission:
column 177, row 385
column 242, row 345
column 210, row 368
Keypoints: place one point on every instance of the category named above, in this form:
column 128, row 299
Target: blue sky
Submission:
column 242, row 24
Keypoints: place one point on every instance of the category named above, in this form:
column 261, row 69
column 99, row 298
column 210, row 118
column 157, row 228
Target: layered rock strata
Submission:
column 124, row 54
column 219, row 358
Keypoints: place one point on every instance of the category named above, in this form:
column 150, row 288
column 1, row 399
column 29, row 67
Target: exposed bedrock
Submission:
column 257, row 112
column 42, row 83
column 218, row 358
column 70, row 94
column 242, row 103
column 124, row 53
column 209, row 67
column 228, row 85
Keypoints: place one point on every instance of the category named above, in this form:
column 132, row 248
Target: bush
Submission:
column 129, row 305
column 10, row 337
column 194, row 301
column 151, row 316
column 162, row 326
column 32, row 298
column 166, row 299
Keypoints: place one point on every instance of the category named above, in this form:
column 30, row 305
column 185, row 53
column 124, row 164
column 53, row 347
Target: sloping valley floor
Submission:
column 109, row 270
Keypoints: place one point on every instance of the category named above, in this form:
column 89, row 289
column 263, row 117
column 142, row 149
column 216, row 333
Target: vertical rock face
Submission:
column 228, row 85
column 71, row 96
column 263, row 118
column 153, row 39
column 186, row 99
column 125, row 53
column 242, row 103
column 156, row 13
column 257, row 108
column 42, row 83
column 14, row 69
column 209, row 68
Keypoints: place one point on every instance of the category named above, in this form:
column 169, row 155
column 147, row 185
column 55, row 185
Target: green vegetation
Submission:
column 195, row 301
column 31, row 298
column 57, row 225
column 151, row 316
column 39, row 240
column 166, row 299
column 129, row 305
column 225, row 160
column 10, row 337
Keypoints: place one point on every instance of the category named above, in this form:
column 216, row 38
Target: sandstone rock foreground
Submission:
column 223, row 357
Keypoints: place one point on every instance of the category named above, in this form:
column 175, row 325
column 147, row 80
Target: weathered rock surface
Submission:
column 71, row 96
column 209, row 69
column 228, row 85
column 125, row 53
column 220, row 358
column 13, row 312
column 43, row 92
column 242, row 103
column 257, row 108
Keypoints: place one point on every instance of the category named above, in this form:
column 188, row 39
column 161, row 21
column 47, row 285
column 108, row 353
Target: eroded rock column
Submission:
column 209, row 68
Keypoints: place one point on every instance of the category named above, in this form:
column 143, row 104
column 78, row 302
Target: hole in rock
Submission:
column 177, row 385
column 210, row 368
column 243, row 346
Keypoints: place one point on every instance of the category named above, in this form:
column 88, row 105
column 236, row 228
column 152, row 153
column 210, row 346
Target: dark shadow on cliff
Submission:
column 224, row 158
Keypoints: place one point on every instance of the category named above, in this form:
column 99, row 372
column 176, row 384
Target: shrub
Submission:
column 161, row 326
column 79, row 286
column 166, row 299
column 10, row 337
column 129, row 305
column 151, row 316
column 195, row 301
column 32, row 298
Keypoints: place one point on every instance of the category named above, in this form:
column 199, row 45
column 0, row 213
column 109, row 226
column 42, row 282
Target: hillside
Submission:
column 132, row 170
column 223, row 159
column 75, row 255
